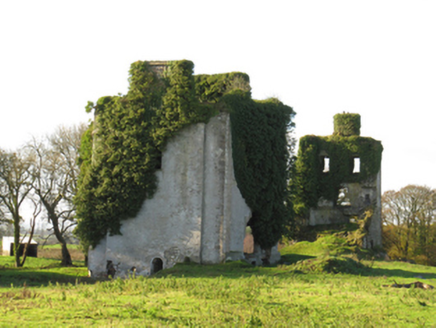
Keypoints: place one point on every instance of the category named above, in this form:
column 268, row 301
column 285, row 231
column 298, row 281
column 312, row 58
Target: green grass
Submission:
column 39, row 272
column 58, row 246
column 234, row 294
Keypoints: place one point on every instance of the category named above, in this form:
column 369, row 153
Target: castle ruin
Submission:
column 197, row 212
column 340, row 179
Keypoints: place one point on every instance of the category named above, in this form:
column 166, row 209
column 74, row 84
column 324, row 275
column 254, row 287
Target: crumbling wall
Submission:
column 197, row 211
column 338, row 177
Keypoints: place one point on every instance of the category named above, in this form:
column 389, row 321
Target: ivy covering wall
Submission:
column 261, row 159
column 122, row 149
column 346, row 124
column 310, row 183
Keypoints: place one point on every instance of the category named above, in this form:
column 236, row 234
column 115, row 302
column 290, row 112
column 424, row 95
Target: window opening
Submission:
column 156, row 265
column 356, row 168
column 326, row 165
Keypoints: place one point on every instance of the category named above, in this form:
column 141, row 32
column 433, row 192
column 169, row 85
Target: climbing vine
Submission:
column 346, row 124
column 261, row 158
column 210, row 88
column 122, row 149
column 310, row 183
column 129, row 134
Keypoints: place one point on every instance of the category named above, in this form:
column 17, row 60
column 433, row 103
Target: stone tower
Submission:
column 164, row 171
column 339, row 178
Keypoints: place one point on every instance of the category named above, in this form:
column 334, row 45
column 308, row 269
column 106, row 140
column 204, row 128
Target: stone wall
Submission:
column 197, row 211
column 358, row 197
column 361, row 192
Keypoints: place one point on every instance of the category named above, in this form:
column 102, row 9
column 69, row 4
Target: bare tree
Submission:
column 16, row 180
column 55, row 182
column 36, row 212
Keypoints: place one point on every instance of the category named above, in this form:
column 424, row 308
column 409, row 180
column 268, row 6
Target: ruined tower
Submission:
column 338, row 179
column 167, row 171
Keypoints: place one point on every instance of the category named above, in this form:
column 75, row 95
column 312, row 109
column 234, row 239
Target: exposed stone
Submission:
column 197, row 211
column 353, row 199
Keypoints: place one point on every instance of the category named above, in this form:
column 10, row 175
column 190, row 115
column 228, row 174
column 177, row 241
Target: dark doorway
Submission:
column 156, row 265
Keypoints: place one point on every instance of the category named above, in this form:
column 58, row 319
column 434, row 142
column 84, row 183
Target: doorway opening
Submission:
column 156, row 265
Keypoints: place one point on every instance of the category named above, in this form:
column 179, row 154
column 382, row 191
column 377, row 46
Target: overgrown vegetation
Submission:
column 310, row 183
column 129, row 134
column 346, row 124
column 121, row 154
column 261, row 158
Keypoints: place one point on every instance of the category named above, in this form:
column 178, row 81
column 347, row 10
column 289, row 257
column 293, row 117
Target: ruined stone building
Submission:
column 339, row 179
column 197, row 211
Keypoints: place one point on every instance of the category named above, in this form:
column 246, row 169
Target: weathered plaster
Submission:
column 197, row 211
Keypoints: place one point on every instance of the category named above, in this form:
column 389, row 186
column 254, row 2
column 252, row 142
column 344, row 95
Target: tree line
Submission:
column 409, row 224
column 39, row 180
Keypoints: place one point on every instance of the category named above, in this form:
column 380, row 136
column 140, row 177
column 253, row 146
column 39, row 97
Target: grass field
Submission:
column 299, row 293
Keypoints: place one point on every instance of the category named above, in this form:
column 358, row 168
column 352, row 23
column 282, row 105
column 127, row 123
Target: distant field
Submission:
column 58, row 246
column 228, row 295
column 54, row 252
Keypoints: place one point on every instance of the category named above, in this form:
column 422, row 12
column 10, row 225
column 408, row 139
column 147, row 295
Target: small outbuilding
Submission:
column 8, row 247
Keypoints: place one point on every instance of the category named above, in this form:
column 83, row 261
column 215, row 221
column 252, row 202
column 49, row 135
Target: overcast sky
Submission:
column 375, row 58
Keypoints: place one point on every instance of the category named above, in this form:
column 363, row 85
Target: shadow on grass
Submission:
column 38, row 277
column 242, row 269
column 294, row 258
column 57, row 275
column 384, row 272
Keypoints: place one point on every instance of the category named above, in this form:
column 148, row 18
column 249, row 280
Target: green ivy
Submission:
column 346, row 124
column 129, row 135
column 210, row 88
column 130, row 132
column 261, row 158
column 310, row 183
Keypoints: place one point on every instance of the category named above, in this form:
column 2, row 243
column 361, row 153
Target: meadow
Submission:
column 320, row 284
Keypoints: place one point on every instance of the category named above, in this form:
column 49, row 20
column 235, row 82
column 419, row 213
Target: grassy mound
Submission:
column 331, row 252
column 330, row 264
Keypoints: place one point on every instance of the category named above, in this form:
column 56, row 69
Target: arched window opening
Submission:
column 156, row 265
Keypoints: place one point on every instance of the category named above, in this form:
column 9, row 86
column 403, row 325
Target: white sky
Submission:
column 375, row 58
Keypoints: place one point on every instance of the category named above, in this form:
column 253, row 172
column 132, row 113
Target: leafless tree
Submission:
column 16, row 180
column 55, row 183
